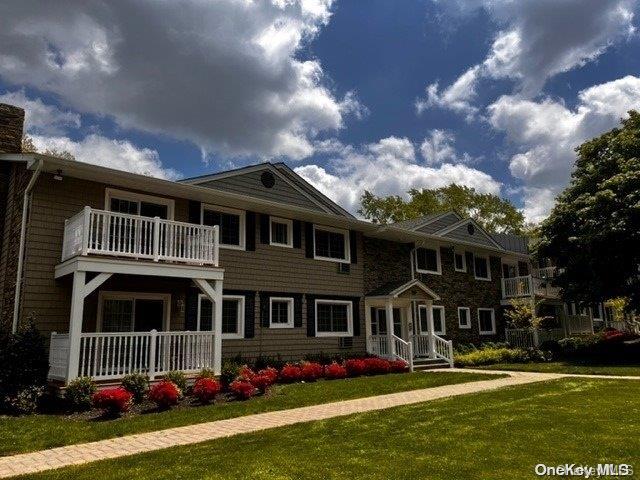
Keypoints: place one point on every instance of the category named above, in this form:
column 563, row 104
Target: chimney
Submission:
column 11, row 125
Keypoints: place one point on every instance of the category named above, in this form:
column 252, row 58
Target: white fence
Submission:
column 110, row 233
column 531, row 337
column 578, row 324
column 106, row 356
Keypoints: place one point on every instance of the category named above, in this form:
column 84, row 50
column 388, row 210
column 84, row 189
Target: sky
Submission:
column 354, row 95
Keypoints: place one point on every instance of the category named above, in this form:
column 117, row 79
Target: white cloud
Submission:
column 223, row 74
column 438, row 147
column 540, row 39
column 107, row 152
column 546, row 133
column 40, row 117
column 387, row 167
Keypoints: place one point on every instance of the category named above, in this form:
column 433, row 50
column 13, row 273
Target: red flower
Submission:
column 290, row 373
column 376, row 365
column 398, row 366
column 355, row 367
column 614, row 336
column 270, row 372
column 311, row 371
column 246, row 373
column 164, row 394
column 242, row 389
column 113, row 401
column 206, row 389
column 335, row 370
column 261, row 382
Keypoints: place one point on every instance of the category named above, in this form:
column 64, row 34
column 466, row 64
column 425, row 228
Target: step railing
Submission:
column 443, row 349
column 420, row 345
column 403, row 350
column 102, row 232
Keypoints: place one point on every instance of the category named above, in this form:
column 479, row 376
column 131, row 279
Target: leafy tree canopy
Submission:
column 593, row 231
column 495, row 214
column 29, row 147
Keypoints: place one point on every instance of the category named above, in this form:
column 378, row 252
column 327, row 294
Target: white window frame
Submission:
column 464, row 261
column 233, row 211
column 240, row 319
column 289, row 224
column 444, row 320
column 438, row 262
column 347, row 244
column 110, row 193
column 349, row 332
column 493, row 322
column 113, row 295
column 290, row 312
column 468, row 325
column 486, row 259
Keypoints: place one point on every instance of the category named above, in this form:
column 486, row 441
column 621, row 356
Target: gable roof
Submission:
column 430, row 223
column 289, row 187
column 461, row 231
column 397, row 288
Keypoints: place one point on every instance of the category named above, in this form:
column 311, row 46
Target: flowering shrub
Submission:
column 614, row 336
column 355, row 367
column 270, row 372
column 246, row 373
column 261, row 382
column 334, row 371
column 164, row 394
column 205, row 389
column 290, row 373
column 242, row 389
column 113, row 401
column 311, row 371
column 398, row 366
column 376, row 365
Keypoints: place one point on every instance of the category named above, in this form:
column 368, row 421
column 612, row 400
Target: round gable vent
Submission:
column 267, row 179
column 471, row 229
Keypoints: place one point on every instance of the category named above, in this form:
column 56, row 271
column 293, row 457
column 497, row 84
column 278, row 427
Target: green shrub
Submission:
column 488, row 356
column 206, row 373
column 25, row 401
column 178, row 378
column 230, row 370
column 79, row 392
column 137, row 384
column 579, row 344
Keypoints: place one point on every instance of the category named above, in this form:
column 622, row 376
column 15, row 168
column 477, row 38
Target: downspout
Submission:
column 23, row 240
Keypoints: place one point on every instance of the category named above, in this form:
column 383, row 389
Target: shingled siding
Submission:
column 389, row 261
column 267, row 268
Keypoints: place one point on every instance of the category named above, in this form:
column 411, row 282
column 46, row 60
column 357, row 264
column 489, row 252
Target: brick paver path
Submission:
column 146, row 442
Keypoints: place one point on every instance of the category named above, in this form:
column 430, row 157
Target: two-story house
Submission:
column 124, row 272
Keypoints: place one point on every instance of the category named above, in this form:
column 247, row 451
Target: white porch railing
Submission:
column 443, row 349
column 531, row 337
column 102, row 232
column 578, row 324
column 420, row 345
column 403, row 350
column 379, row 345
column 527, row 286
column 105, row 356
column 545, row 272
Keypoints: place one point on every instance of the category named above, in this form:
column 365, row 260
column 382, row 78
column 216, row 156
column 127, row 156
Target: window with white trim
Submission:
column 486, row 321
column 334, row 318
column 231, row 223
column 439, row 324
column 331, row 244
column 464, row 317
column 427, row 260
column 134, row 203
column 280, row 232
column 280, row 312
column 481, row 268
column 133, row 311
column 459, row 261
column 379, row 322
column 232, row 315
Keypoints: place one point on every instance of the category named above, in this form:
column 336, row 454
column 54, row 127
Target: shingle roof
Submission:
column 414, row 222
column 513, row 243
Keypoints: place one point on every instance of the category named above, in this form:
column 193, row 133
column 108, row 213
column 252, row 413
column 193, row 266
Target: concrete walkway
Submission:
column 549, row 374
column 202, row 432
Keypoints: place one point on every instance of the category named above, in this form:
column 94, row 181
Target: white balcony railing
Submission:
column 107, row 356
column 118, row 234
column 527, row 286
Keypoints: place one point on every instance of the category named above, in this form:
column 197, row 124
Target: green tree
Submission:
column 495, row 214
column 29, row 147
column 593, row 232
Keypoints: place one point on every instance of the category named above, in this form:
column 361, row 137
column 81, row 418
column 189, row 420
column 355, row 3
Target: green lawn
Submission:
column 499, row 435
column 575, row 366
column 37, row 432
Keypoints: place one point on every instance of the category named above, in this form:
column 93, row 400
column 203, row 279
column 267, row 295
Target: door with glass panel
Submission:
column 134, row 235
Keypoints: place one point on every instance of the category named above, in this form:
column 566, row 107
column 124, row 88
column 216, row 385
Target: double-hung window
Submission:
column 281, row 312
column 464, row 317
column 280, row 232
column 232, row 315
column 481, row 268
column 459, row 261
column 427, row 260
column 334, row 318
column 331, row 244
column 486, row 321
column 231, row 223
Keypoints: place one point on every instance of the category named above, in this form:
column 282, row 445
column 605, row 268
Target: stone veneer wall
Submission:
column 389, row 262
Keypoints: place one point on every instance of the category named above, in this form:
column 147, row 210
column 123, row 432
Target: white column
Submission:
column 75, row 323
column 389, row 315
column 217, row 329
column 432, row 341
column 367, row 325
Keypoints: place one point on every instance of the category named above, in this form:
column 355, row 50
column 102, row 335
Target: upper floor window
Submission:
column 427, row 260
column 138, row 204
column 481, row 268
column 231, row 223
column 280, row 232
column 331, row 244
column 459, row 261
